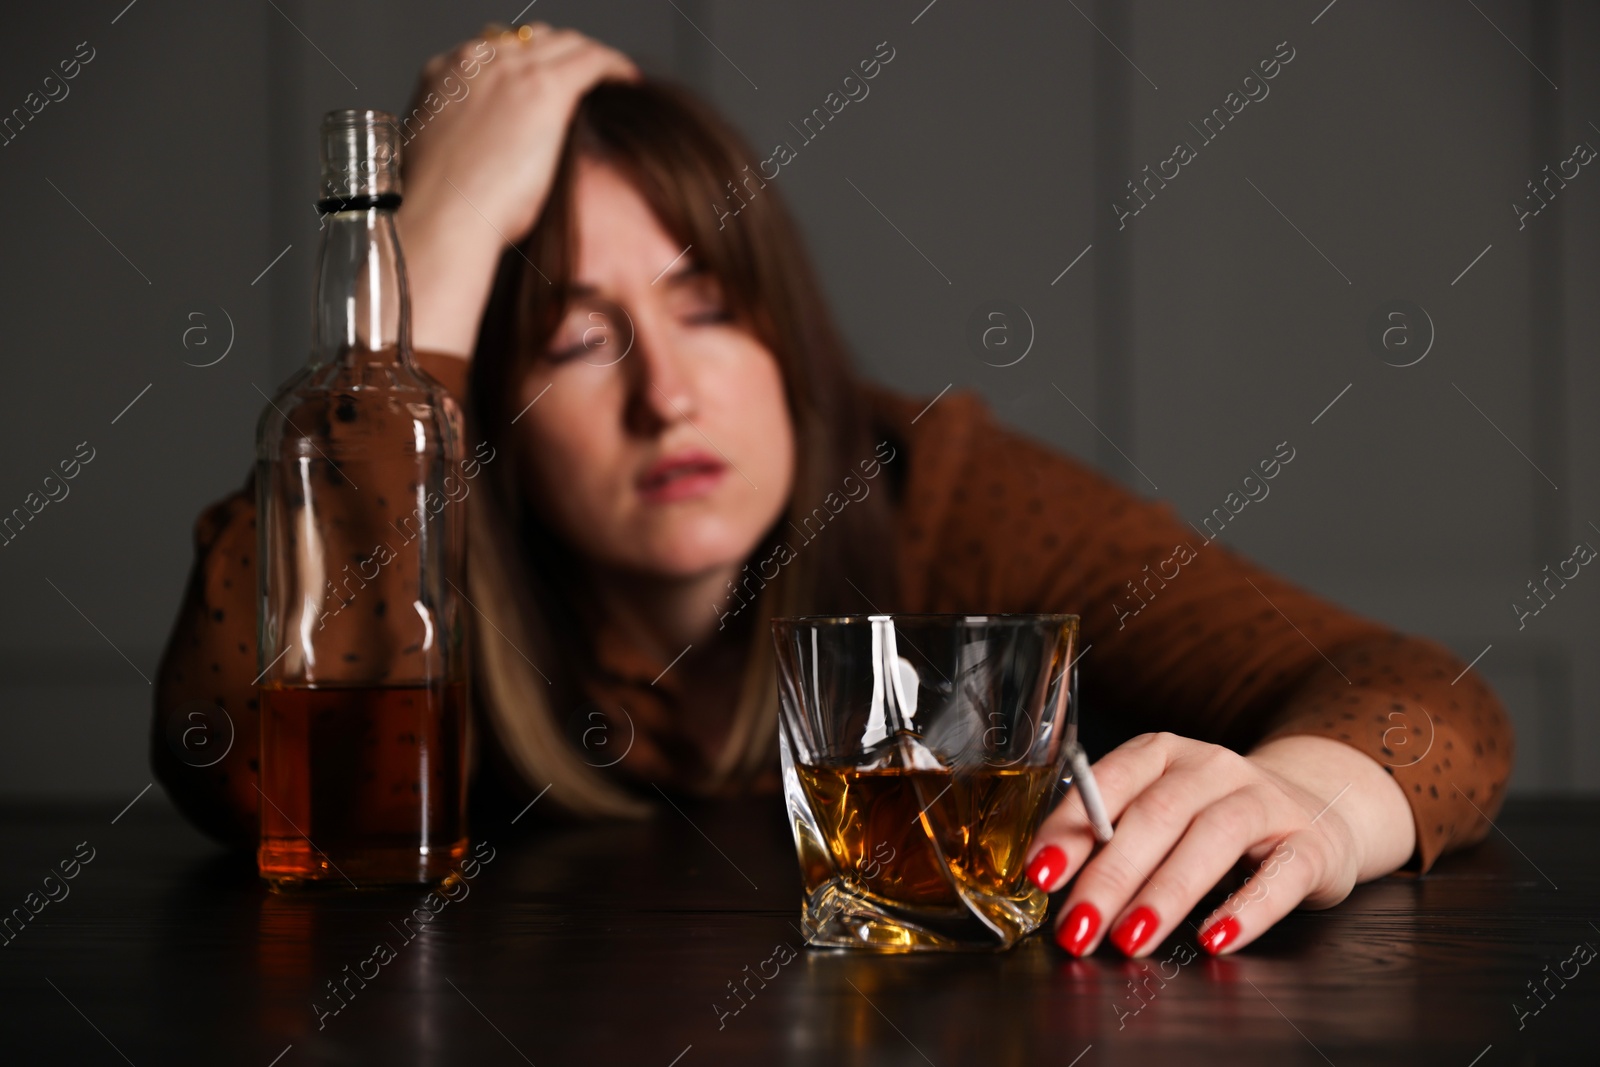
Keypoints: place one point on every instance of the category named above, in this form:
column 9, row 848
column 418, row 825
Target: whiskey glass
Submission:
column 920, row 753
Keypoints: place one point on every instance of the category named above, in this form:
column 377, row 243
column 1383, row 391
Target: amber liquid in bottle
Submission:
column 881, row 825
column 363, row 689
column 376, row 770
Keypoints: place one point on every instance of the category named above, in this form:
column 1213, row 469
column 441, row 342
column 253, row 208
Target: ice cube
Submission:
column 906, row 688
column 921, row 756
column 905, row 750
column 902, row 686
column 878, row 757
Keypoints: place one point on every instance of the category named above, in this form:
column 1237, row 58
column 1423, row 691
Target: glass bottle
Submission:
column 362, row 551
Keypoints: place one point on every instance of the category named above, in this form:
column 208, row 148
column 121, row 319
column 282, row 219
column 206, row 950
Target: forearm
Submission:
column 211, row 797
column 204, row 728
column 1423, row 718
column 451, row 254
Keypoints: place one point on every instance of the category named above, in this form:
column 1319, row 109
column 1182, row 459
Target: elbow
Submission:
column 203, row 797
column 217, row 795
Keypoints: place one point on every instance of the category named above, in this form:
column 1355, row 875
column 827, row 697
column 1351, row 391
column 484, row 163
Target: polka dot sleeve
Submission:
column 210, row 663
column 1180, row 632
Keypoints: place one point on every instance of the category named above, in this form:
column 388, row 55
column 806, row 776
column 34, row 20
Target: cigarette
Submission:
column 1093, row 803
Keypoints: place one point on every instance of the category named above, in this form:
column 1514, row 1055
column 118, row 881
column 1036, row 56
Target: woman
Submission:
column 672, row 404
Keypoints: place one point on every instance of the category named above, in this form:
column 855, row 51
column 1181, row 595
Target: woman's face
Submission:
column 659, row 437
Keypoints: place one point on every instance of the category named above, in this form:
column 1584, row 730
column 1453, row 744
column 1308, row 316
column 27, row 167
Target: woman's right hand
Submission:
column 483, row 137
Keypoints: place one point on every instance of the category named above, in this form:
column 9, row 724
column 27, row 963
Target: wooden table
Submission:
column 620, row 943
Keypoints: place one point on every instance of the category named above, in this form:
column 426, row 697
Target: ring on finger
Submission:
column 529, row 30
column 522, row 34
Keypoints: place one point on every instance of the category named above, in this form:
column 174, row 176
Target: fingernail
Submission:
column 1131, row 934
column 1047, row 866
column 1078, row 928
column 1216, row 936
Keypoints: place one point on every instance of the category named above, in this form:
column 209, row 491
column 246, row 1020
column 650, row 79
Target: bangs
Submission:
column 667, row 147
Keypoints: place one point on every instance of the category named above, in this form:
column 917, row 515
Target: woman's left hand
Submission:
column 1315, row 816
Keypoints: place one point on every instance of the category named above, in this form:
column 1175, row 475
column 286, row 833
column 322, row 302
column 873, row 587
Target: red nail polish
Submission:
column 1216, row 936
column 1079, row 927
column 1047, row 866
column 1131, row 934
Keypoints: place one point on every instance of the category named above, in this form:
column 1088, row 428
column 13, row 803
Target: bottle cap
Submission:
column 360, row 160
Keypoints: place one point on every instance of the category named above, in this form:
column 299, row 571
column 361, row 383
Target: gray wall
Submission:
column 1219, row 321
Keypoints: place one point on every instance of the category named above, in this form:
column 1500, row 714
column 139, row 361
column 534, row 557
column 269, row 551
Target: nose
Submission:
column 660, row 385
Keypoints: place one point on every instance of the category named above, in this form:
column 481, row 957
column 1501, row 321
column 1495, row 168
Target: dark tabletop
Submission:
column 617, row 944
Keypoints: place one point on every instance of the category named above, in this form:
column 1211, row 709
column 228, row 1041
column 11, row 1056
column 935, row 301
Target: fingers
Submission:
column 609, row 63
column 592, row 61
column 1296, row 868
column 1292, row 872
column 1186, row 813
column 1144, row 910
column 553, row 45
column 536, row 45
column 558, row 66
column 1201, row 800
column 1065, row 838
column 544, row 45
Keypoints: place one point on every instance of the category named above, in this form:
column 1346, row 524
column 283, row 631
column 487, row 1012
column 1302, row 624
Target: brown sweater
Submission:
column 1180, row 633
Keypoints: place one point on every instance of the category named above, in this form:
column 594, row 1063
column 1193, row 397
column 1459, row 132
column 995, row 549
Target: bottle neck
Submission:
column 363, row 309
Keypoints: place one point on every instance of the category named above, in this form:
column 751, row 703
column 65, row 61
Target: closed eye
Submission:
column 709, row 316
column 583, row 334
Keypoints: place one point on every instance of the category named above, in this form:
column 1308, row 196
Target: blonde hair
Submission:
column 517, row 698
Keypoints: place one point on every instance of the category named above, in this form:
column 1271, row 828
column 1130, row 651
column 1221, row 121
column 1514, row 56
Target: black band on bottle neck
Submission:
column 385, row 201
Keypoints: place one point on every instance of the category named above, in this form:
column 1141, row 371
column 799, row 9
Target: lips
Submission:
column 681, row 476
